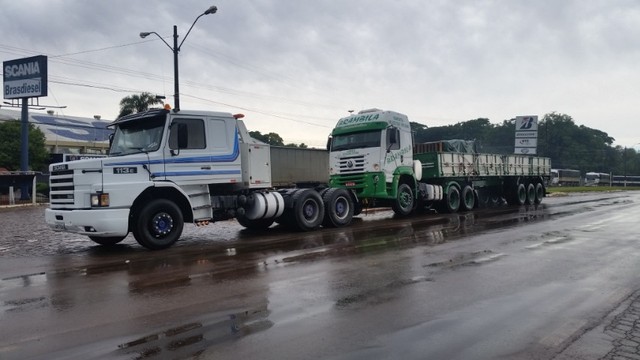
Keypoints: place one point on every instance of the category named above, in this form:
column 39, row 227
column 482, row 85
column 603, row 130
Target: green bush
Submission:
column 42, row 188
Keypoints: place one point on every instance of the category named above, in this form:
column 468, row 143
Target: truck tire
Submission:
column 404, row 202
column 531, row 194
column 338, row 208
column 518, row 195
column 256, row 224
column 307, row 212
column 452, row 200
column 468, row 200
column 107, row 240
column 158, row 225
column 539, row 193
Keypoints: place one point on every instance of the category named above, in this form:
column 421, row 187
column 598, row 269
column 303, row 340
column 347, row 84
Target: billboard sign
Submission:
column 25, row 78
column 526, row 135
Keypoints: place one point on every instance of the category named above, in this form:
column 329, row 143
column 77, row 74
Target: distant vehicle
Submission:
column 597, row 179
column 625, row 180
column 565, row 177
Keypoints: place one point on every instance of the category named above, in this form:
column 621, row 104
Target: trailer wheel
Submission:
column 256, row 224
column 519, row 195
column 531, row 194
column 338, row 208
column 452, row 201
column 403, row 204
column 107, row 240
column 308, row 210
column 158, row 225
column 468, row 198
column 539, row 193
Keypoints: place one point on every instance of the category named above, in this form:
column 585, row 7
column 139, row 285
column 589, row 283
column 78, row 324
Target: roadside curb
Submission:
column 612, row 338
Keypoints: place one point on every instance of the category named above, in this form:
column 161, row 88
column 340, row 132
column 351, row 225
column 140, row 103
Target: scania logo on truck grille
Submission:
column 349, row 163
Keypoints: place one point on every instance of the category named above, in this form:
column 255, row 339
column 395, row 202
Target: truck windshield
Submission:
column 356, row 140
column 137, row 136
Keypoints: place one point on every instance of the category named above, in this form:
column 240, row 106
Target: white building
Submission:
column 66, row 134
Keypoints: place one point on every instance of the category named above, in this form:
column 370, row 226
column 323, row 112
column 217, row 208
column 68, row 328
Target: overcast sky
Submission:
column 295, row 67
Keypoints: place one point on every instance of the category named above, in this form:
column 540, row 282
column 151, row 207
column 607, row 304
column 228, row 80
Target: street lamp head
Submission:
column 211, row 10
column 144, row 34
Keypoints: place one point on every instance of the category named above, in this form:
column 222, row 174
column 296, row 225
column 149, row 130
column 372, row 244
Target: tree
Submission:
column 270, row 138
column 301, row 145
column 10, row 149
column 137, row 103
column 568, row 145
column 274, row 139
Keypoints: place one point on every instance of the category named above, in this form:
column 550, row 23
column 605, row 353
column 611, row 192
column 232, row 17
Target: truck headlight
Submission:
column 100, row 200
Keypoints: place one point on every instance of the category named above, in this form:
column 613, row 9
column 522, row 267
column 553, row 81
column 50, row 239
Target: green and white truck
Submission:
column 373, row 155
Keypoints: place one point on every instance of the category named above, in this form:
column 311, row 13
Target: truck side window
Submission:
column 393, row 139
column 195, row 130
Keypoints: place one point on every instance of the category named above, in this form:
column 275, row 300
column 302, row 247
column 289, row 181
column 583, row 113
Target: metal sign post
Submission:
column 526, row 135
column 24, row 79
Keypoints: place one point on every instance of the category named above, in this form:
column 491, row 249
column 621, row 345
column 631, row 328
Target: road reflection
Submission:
column 125, row 276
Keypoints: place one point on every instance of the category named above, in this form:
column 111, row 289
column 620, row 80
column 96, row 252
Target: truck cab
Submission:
column 371, row 154
column 162, row 169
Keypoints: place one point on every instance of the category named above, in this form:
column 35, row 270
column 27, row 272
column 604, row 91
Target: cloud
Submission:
column 295, row 67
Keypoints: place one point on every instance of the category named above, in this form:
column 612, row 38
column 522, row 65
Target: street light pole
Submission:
column 176, row 82
column 176, row 49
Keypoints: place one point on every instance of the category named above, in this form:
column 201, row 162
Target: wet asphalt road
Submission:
column 552, row 281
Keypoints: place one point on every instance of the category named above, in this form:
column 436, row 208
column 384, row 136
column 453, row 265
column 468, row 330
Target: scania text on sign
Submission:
column 25, row 78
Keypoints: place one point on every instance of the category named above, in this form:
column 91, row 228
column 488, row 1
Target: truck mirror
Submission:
column 110, row 141
column 329, row 143
column 183, row 136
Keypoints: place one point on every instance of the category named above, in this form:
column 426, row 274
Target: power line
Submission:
column 102, row 49
column 153, row 77
column 255, row 110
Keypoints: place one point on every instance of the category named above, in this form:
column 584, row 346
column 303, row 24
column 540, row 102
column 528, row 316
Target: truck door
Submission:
column 210, row 155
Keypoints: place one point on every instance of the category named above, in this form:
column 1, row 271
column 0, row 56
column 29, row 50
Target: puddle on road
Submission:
column 191, row 339
column 548, row 242
column 468, row 259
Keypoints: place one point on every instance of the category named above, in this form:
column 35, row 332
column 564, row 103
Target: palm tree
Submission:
column 137, row 103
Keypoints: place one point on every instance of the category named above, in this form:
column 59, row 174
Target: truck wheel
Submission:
column 403, row 205
column 107, row 240
column 338, row 208
column 539, row 193
column 519, row 195
column 483, row 198
column 158, row 225
column 531, row 194
column 452, row 201
column 256, row 224
column 308, row 210
column 468, row 198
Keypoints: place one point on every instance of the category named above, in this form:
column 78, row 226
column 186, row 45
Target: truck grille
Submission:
column 61, row 188
column 351, row 164
column 350, row 181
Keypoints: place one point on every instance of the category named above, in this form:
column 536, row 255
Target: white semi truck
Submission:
column 166, row 168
